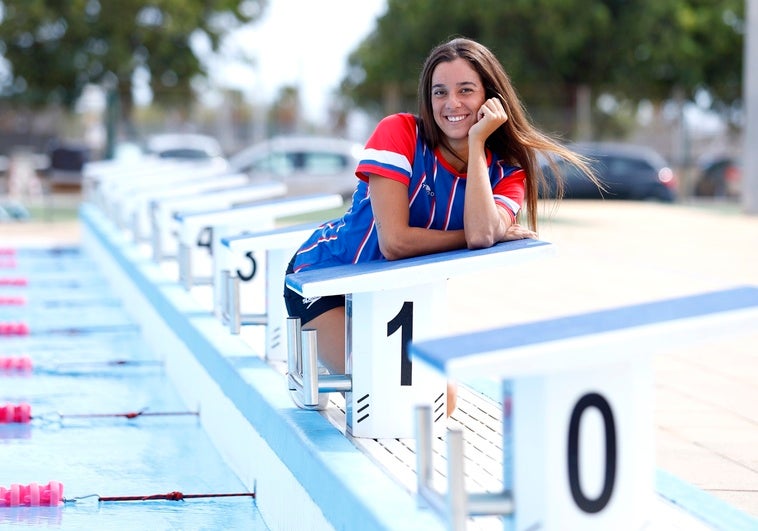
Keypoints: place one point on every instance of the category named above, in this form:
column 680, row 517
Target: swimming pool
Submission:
column 90, row 358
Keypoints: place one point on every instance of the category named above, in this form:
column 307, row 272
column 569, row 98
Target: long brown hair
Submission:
column 517, row 141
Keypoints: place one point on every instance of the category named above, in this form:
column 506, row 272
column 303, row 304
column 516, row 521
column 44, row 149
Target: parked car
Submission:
column 719, row 177
column 305, row 164
column 183, row 146
column 626, row 171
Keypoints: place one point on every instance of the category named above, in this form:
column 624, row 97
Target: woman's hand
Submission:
column 490, row 116
column 518, row 232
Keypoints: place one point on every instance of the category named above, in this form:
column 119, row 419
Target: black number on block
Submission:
column 403, row 321
column 586, row 504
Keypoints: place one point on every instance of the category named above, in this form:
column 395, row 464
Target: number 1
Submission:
column 404, row 321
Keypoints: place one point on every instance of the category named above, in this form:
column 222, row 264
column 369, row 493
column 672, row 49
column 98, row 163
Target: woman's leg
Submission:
column 330, row 326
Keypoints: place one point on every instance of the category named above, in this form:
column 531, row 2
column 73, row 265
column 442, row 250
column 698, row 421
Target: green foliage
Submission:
column 632, row 49
column 54, row 48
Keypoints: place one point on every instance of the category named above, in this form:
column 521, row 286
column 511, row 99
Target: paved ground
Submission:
column 613, row 253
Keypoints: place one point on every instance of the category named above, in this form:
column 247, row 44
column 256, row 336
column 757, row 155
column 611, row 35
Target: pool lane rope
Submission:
column 51, row 495
column 23, row 364
column 22, row 414
column 20, row 328
column 12, row 300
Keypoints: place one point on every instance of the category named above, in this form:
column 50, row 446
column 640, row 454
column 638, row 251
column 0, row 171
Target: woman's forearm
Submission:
column 484, row 222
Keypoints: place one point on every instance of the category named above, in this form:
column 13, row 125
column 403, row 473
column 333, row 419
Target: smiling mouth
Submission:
column 456, row 119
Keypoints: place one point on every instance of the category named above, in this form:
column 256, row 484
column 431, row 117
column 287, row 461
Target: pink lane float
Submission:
column 13, row 281
column 14, row 329
column 21, row 364
column 12, row 301
column 32, row 495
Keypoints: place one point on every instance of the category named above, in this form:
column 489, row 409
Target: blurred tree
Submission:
column 285, row 113
column 557, row 50
column 55, row 48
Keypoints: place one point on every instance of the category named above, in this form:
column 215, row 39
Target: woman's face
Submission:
column 457, row 95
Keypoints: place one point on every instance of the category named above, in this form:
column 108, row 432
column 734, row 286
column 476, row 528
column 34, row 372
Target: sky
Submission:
column 303, row 43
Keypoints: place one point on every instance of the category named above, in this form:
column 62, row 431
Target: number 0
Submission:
column 582, row 501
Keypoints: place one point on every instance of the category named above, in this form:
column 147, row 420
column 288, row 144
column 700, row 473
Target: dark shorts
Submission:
column 308, row 309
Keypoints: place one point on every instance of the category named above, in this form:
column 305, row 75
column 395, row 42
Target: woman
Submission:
column 454, row 177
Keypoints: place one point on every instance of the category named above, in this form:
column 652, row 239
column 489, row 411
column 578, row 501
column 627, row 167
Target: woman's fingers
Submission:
column 518, row 232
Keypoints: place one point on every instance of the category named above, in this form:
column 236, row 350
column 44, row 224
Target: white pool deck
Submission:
column 308, row 475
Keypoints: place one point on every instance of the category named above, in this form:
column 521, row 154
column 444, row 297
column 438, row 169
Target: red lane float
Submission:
column 15, row 364
column 12, row 301
column 13, row 281
column 16, row 414
column 7, row 251
column 8, row 263
column 32, row 495
column 14, row 329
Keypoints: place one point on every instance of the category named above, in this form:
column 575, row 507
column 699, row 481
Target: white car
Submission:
column 305, row 164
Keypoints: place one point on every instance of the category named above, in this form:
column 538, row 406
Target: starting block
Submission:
column 578, row 442
column 163, row 227
column 277, row 246
column 135, row 209
column 114, row 192
column 220, row 223
column 388, row 305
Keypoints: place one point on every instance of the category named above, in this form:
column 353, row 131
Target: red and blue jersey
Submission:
column 436, row 194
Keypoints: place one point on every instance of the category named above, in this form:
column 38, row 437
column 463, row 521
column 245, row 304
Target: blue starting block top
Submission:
column 383, row 274
column 261, row 235
column 510, row 344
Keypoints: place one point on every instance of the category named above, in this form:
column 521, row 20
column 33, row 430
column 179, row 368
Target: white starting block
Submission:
column 136, row 206
column 277, row 246
column 114, row 192
column 388, row 304
column 205, row 229
column 95, row 174
column 162, row 211
column 578, row 448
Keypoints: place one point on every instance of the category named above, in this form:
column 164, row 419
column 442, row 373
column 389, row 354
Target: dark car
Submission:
column 719, row 177
column 626, row 171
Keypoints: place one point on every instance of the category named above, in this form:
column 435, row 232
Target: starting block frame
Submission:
column 235, row 220
column 388, row 305
column 277, row 246
column 162, row 211
column 578, row 449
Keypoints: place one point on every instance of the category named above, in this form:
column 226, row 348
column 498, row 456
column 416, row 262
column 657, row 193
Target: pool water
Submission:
column 77, row 327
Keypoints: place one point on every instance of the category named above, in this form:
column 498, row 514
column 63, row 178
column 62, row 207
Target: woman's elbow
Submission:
column 392, row 250
column 480, row 242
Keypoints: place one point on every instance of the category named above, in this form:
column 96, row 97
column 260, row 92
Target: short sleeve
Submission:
column 390, row 150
